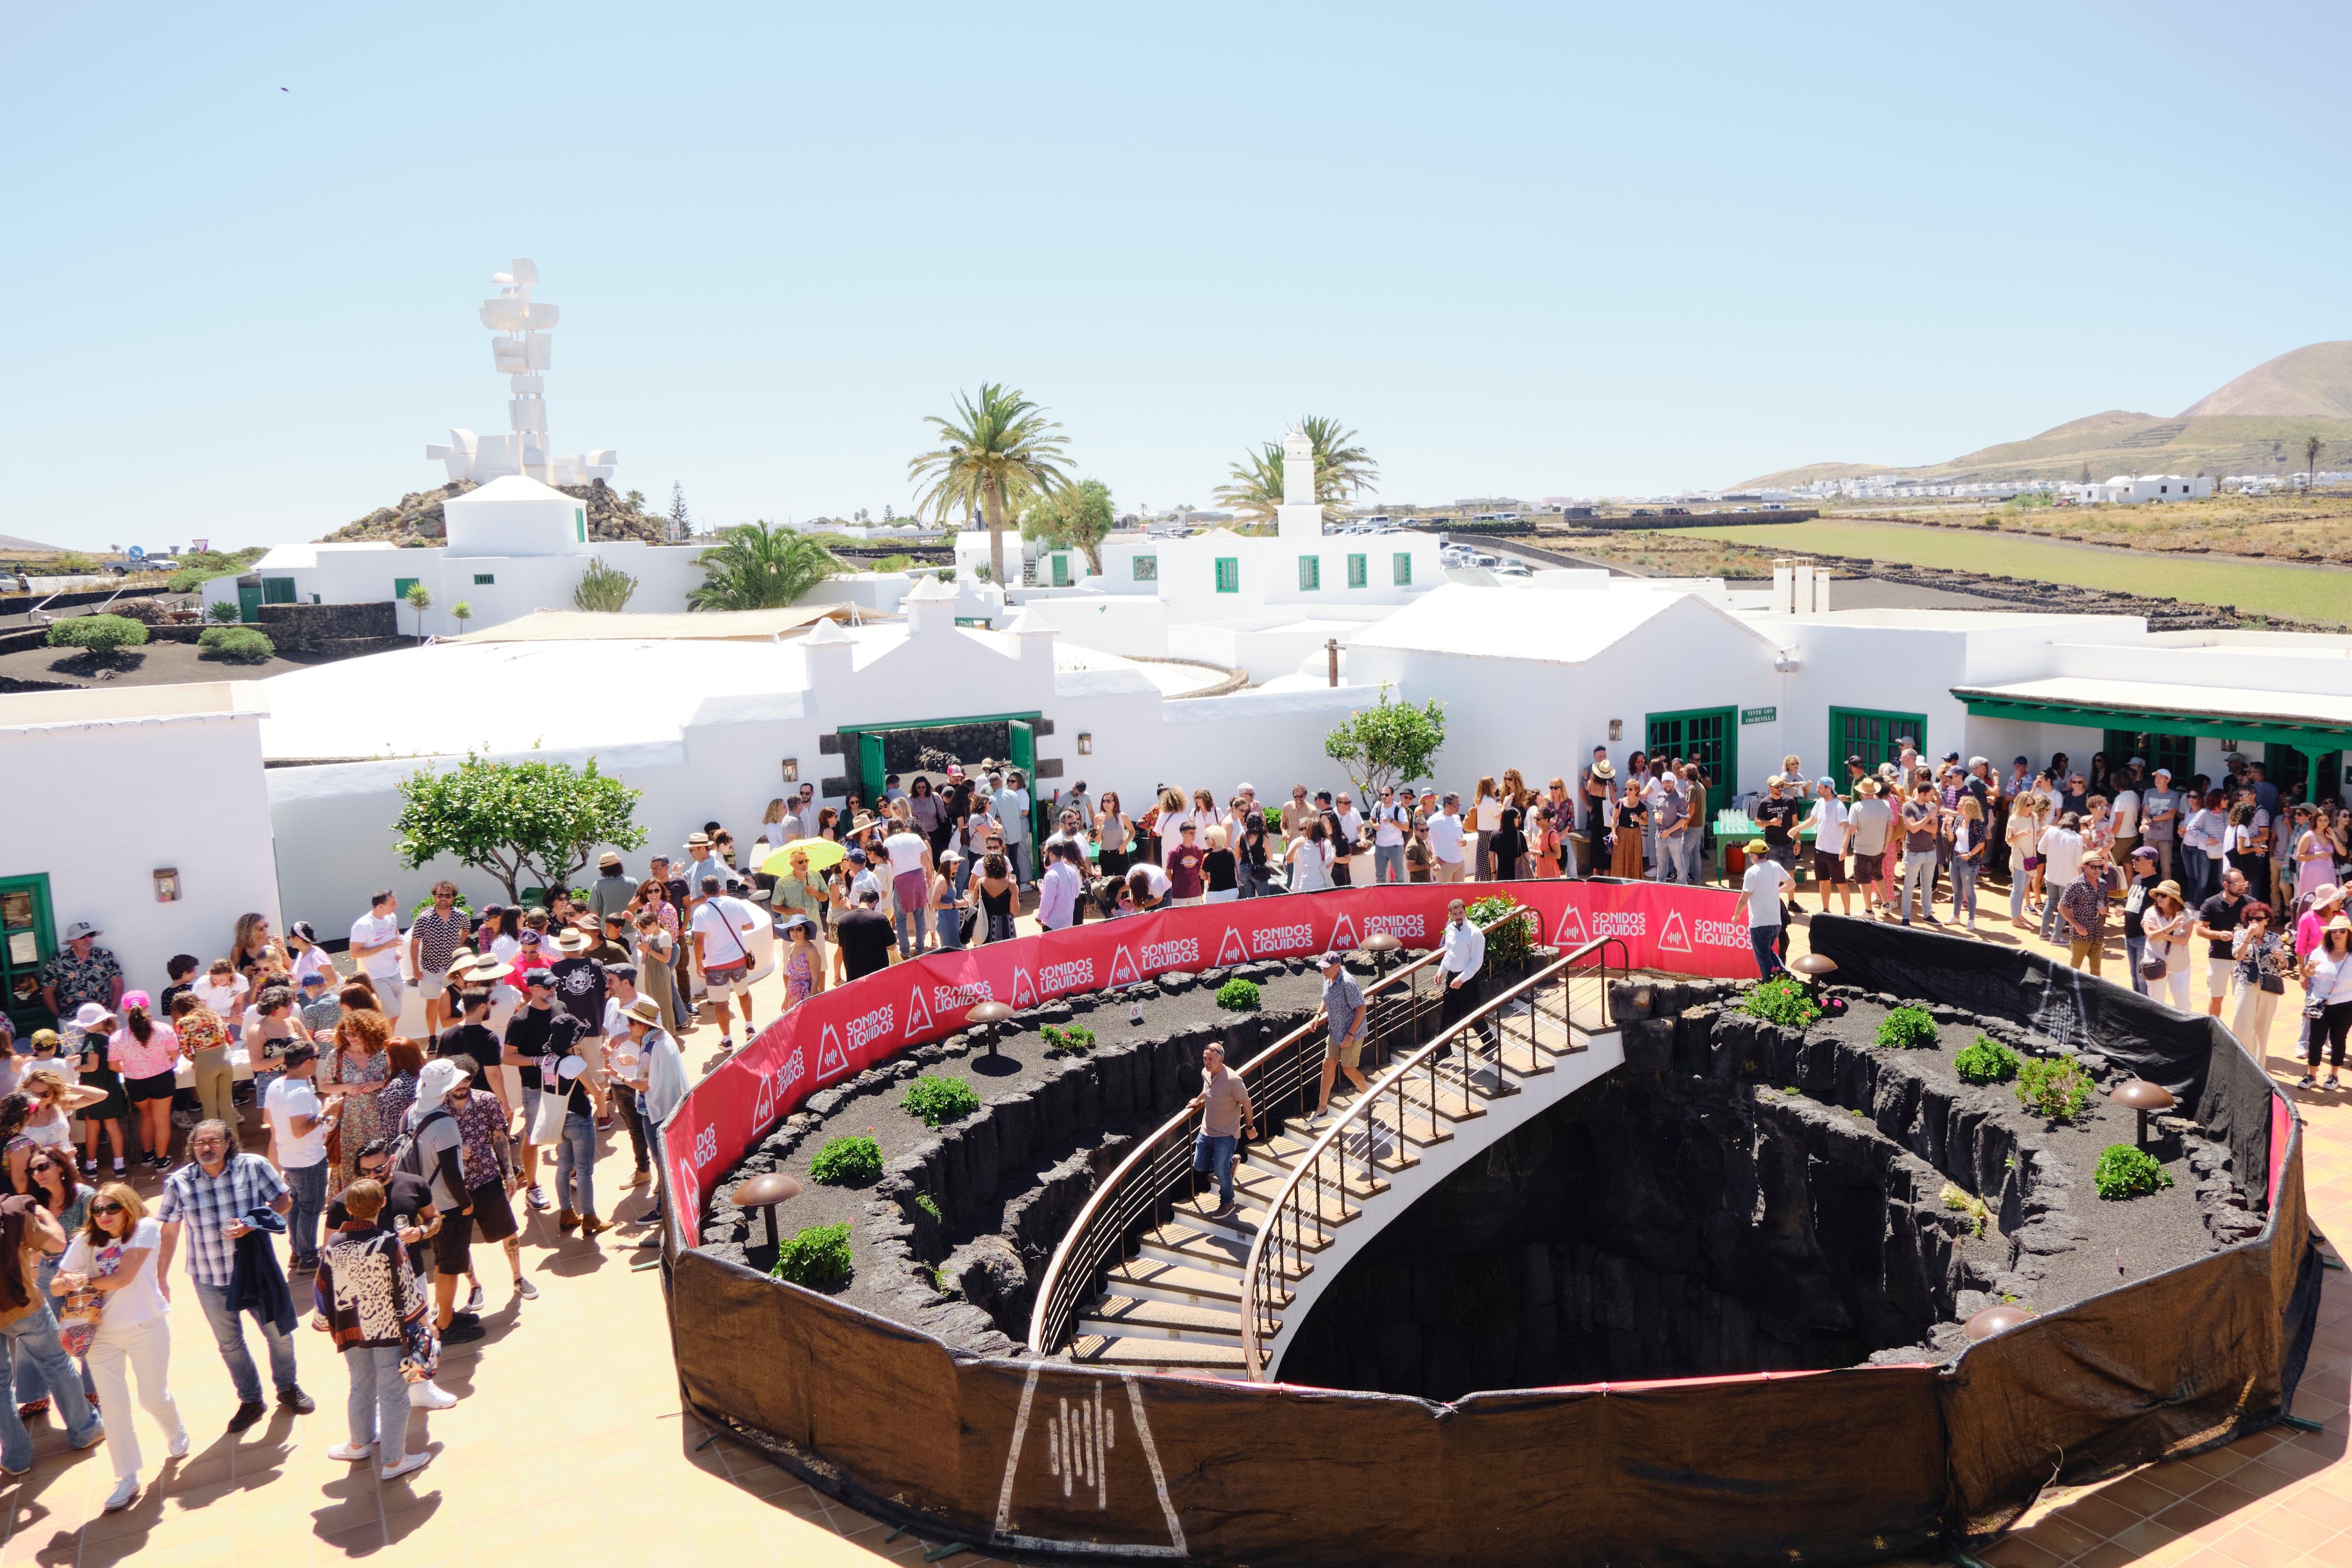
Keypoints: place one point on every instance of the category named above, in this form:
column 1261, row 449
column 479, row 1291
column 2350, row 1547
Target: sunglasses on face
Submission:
column 376, row 1169
column 102, row 1207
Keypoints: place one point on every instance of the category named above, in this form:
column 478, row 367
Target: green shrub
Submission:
column 939, row 1099
column 847, row 1162
column 928, row 1205
column 816, row 1257
column 1238, row 996
column 1781, row 1002
column 100, row 637
column 240, row 643
column 1506, row 945
column 1077, row 1040
column 1987, row 1061
column 1907, row 1029
column 2054, row 1087
column 1960, row 1200
column 2126, row 1171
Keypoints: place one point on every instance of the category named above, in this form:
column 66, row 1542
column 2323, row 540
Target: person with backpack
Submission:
column 432, row 1146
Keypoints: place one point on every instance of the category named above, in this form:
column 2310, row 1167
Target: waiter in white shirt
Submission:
column 1462, row 971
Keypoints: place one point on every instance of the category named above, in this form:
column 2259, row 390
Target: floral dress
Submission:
column 363, row 1116
column 800, row 974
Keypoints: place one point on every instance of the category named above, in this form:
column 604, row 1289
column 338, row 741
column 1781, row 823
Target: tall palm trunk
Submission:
column 991, row 502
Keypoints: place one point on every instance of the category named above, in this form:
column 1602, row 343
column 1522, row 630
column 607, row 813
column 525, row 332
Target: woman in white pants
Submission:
column 114, row 1254
column 2166, row 925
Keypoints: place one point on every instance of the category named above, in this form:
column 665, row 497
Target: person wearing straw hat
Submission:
column 1761, row 889
column 578, row 978
column 649, row 1069
column 2327, row 1000
column 2166, row 922
column 614, row 887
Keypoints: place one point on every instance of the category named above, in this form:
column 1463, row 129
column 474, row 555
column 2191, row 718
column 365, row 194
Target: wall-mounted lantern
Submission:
column 791, row 770
column 1085, row 744
column 167, row 884
column 1616, row 729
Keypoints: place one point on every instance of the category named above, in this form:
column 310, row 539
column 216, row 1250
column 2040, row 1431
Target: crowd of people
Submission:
column 381, row 1159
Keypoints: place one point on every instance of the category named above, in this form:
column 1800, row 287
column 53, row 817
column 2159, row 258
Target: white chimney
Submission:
column 1030, row 640
column 827, row 649
column 1784, row 587
column 1298, row 516
column 930, row 608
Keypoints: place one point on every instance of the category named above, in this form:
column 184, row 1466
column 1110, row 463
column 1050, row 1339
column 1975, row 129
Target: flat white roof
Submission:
column 121, row 704
column 2222, row 702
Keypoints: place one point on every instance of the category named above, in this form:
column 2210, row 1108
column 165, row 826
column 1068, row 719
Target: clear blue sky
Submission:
column 1533, row 250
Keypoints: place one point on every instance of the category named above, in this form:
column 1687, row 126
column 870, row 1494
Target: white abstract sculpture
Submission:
column 1298, row 516
column 522, row 355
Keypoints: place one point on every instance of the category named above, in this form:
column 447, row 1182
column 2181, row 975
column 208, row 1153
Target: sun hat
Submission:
column 483, row 973
column 2341, row 922
column 1602, row 770
column 572, row 941
column 2325, row 893
column 1866, row 786
column 796, row 922
column 2170, row 889
column 698, row 838
column 607, row 858
column 90, row 1015
column 644, row 1010
column 81, row 929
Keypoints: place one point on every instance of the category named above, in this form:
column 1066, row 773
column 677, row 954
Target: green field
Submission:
column 2299, row 592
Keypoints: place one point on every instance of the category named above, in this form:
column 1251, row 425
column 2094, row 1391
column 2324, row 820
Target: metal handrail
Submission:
column 1164, row 1162
column 1286, row 1212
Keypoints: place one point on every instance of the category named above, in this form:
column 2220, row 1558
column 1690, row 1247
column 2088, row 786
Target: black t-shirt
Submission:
column 2135, row 903
column 526, row 1037
column 474, row 1040
column 2220, row 913
column 1507, row 844
column 1219, row 865
column 580, row 990
column 404, row 1197
column 865, row 940
column 1778, row 818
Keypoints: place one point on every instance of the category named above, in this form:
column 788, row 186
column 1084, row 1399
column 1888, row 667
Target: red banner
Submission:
column 838, row 1032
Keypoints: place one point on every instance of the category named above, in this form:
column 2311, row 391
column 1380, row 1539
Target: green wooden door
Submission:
column 869, row 769
column 1871, row 735
column 1022, row 740
column 1708, row 736
column 27, row 939
column 248, row 602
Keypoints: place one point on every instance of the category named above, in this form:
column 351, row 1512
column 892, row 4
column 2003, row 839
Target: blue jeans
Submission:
column 910, row 932
column 1388, row 863
column 1216, row 1154
column 2052, row 924
column 310, row 1185
column 576, row 1165
column 34, row 1337
column 1918, row 876
column 1694, row 857
column 2135, row 949
column 2197, row 879
column 1964, row 886
column 1766, row 941
column 229, row 1334
column 379, row 1402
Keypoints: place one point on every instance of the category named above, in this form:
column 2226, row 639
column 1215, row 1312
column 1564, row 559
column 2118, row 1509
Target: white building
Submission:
column 2136, row 490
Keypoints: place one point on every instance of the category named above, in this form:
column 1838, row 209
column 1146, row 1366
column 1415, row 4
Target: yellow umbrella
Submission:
column 821, row 852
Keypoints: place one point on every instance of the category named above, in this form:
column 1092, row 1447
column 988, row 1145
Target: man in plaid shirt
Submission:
column 209, row 1198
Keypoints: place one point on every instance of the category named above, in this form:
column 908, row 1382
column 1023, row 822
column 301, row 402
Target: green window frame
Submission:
column 1359, row 574
column 1401, row 569
column 401, row 585
column 486, row 579
column 278, row 591
column 1871, row 735
column 1708, row 736
column 1229, row 575
column 580, row 522
column 2177, row 752
column 28, row 940
column 1146, row 569
column 1310, row 574
column 1061, row 569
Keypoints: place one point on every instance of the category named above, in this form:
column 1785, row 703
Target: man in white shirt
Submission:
column 298, row 1147
column 805, row 809
column 1390, row 823
column 1870, row 822
column 1011, row 804
column 1351, row 833
column 1058, row 889
column 723, row 927
column 1446, row 840
column 909, row 854
column 1463, row 971
column 1831, row 825
column 2159, row 820
column 2125, row 811
column 1761, row 889
column 376, row 943
column 2062, row 866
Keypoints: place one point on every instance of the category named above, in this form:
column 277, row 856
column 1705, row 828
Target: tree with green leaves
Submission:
column 420, row 599
column 2310, row 461
column 509, row 818
column 1076, row 517
column 997, row 452
column 603, row 588
column 461, row 612
column 1387, row 745
column 1342, row 471
column 100, row 637
column 761, row 566
column 681, row 523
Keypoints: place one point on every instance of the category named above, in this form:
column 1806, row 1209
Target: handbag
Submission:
column 2151, row 969
column 77, row 1320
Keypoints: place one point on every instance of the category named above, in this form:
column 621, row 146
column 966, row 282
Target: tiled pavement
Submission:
column 568, row 1441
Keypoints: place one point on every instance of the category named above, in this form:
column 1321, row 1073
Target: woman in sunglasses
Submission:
column 114, row 1254
column 53, row 1187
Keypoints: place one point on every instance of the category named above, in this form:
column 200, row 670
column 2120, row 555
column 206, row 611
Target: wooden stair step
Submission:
column 1142, row 1353
column 1114, row 1316
column 1148, row 1280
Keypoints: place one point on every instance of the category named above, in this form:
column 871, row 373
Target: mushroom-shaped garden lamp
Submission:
column 2139, row 1094
column 990, row 1014
column 765, row 1193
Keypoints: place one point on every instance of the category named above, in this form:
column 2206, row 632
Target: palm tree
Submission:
column 2310, row 462
column 758, row 567
column 1341, row 471
column 461, row 612
column 420, row 599
column 999, row 451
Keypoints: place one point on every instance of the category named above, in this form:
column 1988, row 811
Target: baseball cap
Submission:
column 1854, row 762
column 2139, row 761
column 2145, row 853
column 1828, row 783
column 857, row 855
column 2021, row 761
column 1328, row 959
column 316, row 977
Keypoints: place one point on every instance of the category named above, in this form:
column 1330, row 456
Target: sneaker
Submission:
column 2331, row 1081
column 97, row 1436
column 2306, row 1081
column 461, row 1333
column 1319, row 1118
column 429, row 1396
column 351, row 1453
column 639, row 1180
column 526, row 1289
column 474, row 1298
column 725, row 1044
column 179, row 1448
column 460, row 1319
column 536, row 1197
column 124, row 1491
column 296, row 1401
column 247, row 1415
column 410, row 1463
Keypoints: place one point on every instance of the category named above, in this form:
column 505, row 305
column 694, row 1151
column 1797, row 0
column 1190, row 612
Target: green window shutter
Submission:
column 278, row 591
column 1358, row 572
column 401, row 585
column 580, row 522
column 1147, row 569
column 485, row 579
column 1229, row 575
column 1400, row 568
column 1310, row 574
